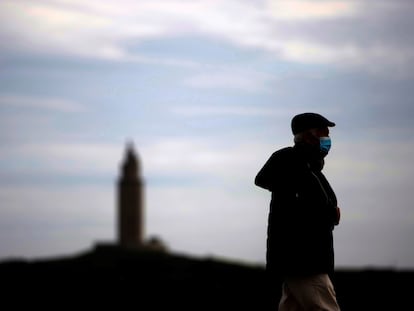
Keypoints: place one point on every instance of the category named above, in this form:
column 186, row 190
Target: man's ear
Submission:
column 311, row 137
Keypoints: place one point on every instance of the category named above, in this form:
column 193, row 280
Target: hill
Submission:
column 147, row 280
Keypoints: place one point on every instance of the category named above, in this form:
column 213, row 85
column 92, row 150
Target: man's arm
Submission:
column 265, row 177
column 276, row 171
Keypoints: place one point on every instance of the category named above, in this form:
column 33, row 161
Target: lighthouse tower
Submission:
column 130, row 202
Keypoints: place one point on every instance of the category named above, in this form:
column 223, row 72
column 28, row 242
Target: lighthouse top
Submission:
column 130, row 166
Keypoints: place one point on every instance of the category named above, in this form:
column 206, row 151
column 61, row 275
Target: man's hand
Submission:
column 338, row 216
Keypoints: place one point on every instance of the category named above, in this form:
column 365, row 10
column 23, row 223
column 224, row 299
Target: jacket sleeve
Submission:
column 273, row 174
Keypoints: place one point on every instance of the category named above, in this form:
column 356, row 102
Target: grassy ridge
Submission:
column 147, row 280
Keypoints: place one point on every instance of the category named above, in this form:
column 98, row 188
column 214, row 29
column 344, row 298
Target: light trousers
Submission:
column 310, row 293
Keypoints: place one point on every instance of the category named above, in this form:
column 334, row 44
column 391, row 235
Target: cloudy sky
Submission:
column 205, row 89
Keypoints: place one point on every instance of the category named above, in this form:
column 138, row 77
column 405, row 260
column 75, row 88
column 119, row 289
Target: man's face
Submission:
column 321, row 132
column 315, row 134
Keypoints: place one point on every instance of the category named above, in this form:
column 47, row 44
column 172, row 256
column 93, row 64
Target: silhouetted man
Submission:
column 303, row 213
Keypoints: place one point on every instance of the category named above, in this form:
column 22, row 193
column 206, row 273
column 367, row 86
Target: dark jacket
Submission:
column 302, row 214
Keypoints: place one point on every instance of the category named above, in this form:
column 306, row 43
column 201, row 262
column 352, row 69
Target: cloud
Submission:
column 208, row 216
column 38, row 221
column 307, row 10
column 375, row 59
column 373, row 180
column 62, row 158
column 206, row 159
column 40, row 103
column 229, row 111
column 31, row 118
column 359, row 34
column 97, row 29
column 51, row 27
column 228, row 81
column 170, row 158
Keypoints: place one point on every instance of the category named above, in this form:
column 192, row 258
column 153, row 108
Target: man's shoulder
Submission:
column 284, row 156
column 284, row 153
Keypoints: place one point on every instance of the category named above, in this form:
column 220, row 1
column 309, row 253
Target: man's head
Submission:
column 309, row 120
column 312, row 129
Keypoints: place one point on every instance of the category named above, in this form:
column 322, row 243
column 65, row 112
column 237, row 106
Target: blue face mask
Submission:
column 325, row 144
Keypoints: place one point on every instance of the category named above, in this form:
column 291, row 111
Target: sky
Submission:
column 205, row 90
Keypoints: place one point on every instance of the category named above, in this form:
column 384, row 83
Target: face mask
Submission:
column 325, row 144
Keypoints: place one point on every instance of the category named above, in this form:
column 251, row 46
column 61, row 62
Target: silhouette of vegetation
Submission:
column 150, row 280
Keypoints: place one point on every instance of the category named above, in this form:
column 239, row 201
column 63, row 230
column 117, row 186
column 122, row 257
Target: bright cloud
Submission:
column 194, row 157
column 105, row 29
column 305, row 10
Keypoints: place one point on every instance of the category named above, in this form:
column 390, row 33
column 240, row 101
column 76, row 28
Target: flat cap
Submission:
column 309, row 120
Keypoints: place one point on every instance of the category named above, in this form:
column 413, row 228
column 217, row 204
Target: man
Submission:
column 303, row 213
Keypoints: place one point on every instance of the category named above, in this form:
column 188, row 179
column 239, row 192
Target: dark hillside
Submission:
column 147, row 280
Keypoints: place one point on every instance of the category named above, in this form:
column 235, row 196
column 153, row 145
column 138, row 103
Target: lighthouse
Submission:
column 130, row 202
